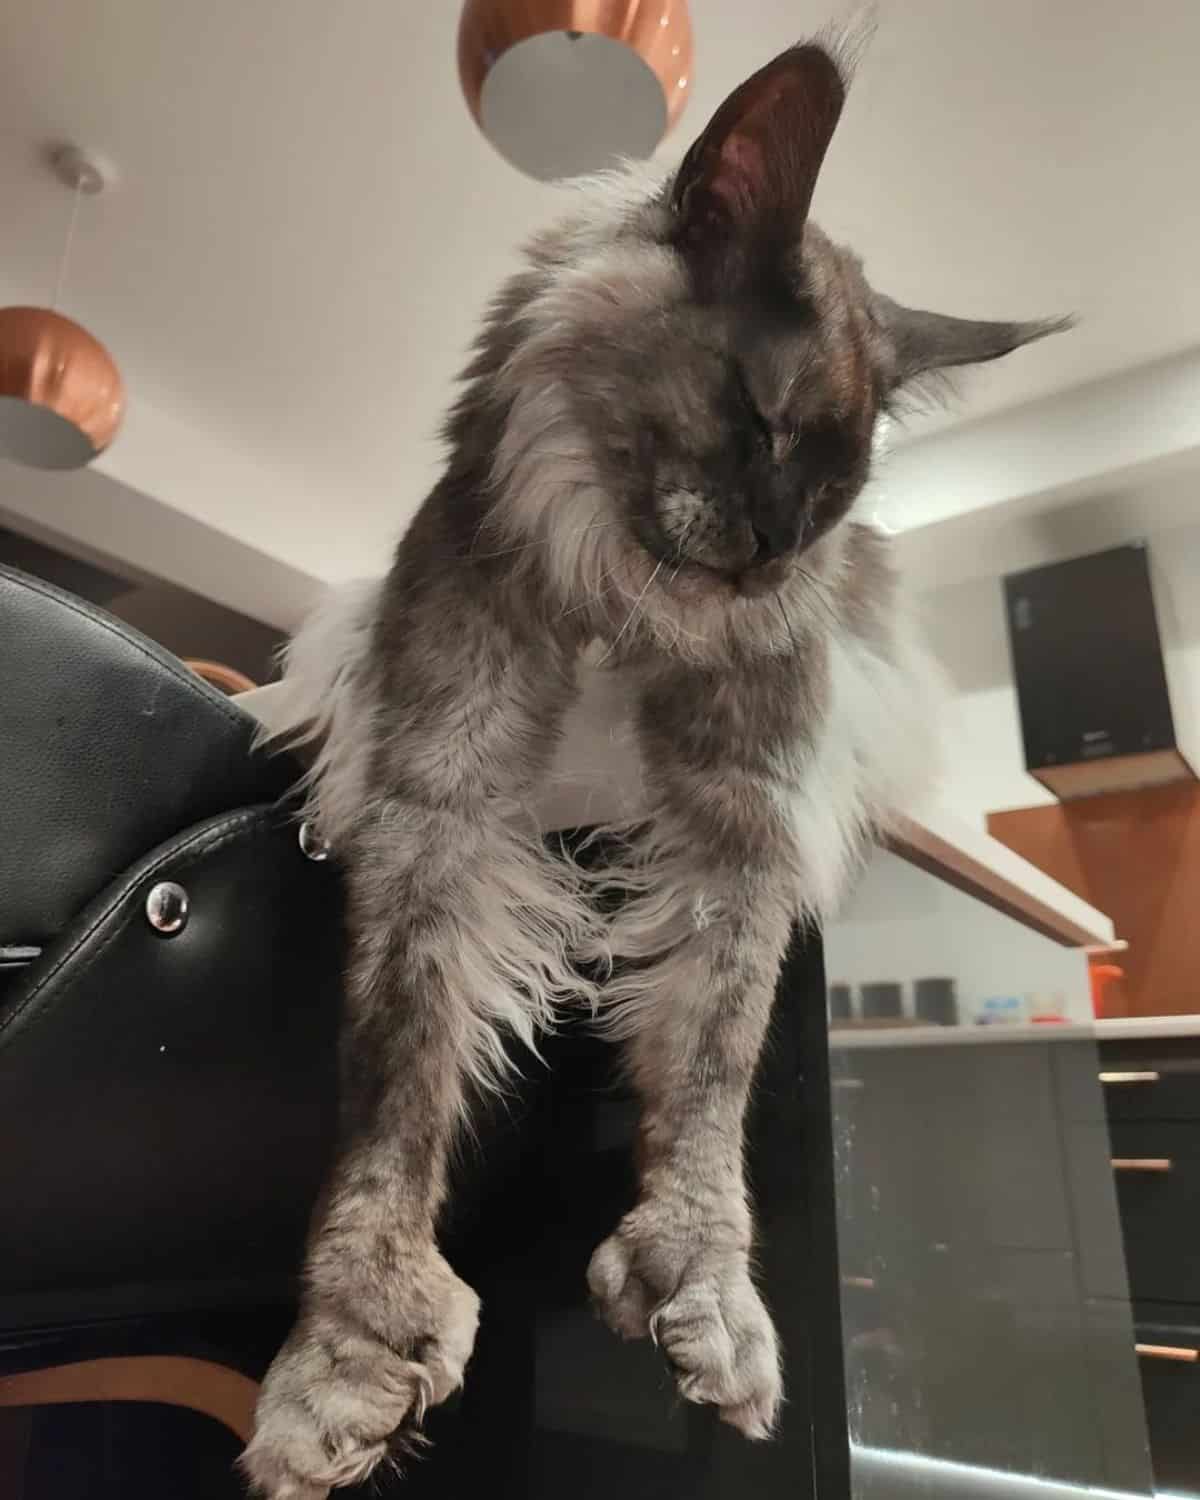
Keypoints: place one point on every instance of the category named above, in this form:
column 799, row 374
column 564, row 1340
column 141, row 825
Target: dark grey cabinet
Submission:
column 1152, row 1091
column 985, row 1308
column 1171, row 1384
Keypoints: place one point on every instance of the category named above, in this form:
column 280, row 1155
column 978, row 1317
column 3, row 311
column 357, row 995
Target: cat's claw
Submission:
column 702, row 1310
column 337, row 1395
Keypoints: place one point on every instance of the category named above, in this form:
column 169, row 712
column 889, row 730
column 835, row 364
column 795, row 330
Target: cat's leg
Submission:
column 715, row 896
column 386, row 1327
column 679, row 1265
column 461, row 930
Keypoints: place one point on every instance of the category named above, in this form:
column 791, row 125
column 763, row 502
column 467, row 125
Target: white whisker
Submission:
column 593, row 598
column 616, row 639
column 679, row 552
column 541, row 542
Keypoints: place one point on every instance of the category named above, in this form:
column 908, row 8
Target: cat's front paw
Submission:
column 698, row 1303
column 339, row 1392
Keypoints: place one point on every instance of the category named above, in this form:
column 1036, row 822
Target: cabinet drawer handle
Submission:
column 1129, row 1077
column 1168, row 1351
column 859, row 1283
column 1141, row 1163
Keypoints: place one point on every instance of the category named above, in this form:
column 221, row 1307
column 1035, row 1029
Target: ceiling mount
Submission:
column 79, row 170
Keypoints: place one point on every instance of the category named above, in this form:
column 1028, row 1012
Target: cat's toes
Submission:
column 337, row 1394
column 721, row 1342
column 619, row 1294
column 706, row 1317
column 310, row 1438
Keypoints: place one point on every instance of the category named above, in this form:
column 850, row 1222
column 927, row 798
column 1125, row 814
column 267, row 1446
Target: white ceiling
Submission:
column 307, row 222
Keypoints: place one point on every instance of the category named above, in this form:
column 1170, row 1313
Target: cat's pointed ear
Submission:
column 926, row 341
column 745, row 186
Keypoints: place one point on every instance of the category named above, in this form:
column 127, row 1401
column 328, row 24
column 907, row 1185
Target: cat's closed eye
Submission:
column 748, row 408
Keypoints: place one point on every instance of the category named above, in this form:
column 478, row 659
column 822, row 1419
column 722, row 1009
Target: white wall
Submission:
column 904, row 924
column 984, row 761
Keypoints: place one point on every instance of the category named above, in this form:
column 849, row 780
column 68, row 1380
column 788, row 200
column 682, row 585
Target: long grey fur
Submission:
column 659, row 447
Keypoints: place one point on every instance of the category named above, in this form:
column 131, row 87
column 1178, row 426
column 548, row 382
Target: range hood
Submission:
column 1092, row 678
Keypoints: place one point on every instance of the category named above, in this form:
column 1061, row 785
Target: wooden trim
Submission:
column 1137, row 856
column 976, row 869
column 1139, row 772
column 214, row 1390
column 227, row 679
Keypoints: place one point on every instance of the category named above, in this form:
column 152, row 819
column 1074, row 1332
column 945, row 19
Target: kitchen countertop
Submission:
column 1146, row 1028
column 1127, row 1028
column 870, row 1038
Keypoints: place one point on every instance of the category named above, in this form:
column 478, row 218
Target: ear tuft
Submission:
column 926, row 341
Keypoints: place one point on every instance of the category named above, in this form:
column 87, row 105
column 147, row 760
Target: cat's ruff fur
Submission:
column 875, row 753
column 659, row 446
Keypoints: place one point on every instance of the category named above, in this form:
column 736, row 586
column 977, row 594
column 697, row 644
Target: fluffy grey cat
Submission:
column 661, row 438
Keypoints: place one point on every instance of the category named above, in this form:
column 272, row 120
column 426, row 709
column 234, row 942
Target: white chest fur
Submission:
column 596, row 776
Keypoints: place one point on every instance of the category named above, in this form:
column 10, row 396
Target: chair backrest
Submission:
column 109, row 745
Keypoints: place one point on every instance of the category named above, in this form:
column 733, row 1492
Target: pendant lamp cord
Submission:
column 60, row 279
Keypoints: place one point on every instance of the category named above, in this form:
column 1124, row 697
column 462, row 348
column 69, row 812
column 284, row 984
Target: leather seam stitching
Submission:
column 204, row 841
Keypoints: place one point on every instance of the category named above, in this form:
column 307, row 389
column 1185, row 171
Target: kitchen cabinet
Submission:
column 1150, row 1072
column 988, row 1331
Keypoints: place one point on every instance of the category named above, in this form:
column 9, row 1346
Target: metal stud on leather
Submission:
column 312, row 845
column 167, row 908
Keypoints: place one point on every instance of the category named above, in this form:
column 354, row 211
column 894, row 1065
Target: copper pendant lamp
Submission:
column 564, row 87
column 61, row 394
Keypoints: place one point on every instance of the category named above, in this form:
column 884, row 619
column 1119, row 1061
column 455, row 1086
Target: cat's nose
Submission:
column 773, row 536
column 763, row 545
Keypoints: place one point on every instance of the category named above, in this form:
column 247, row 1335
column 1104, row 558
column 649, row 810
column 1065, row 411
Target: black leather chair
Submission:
column 169, row 960
column 167, row 1107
